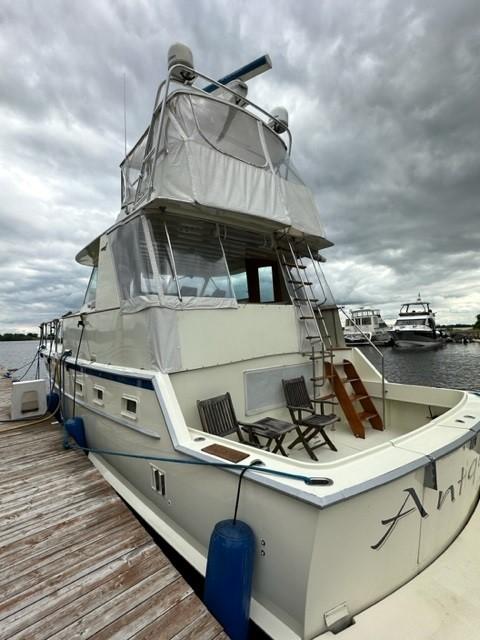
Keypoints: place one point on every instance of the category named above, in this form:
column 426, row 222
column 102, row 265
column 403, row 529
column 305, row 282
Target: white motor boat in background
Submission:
column 208, row 288
column 415, row 327
column 364, row 326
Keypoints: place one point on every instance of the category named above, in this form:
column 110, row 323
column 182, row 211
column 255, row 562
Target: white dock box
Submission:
column 29, row 399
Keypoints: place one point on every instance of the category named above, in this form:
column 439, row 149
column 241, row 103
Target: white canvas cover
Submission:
column 221, row 156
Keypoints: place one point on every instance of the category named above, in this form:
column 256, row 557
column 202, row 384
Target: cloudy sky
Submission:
column 384, row 102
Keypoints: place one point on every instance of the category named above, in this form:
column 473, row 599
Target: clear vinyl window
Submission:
column 190, row 258
column 161, row 257
column 91, row 292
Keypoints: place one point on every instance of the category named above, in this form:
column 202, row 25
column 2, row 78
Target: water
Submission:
column 14, row 355
column 455, row 366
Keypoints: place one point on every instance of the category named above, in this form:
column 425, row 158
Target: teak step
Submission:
column 354, row 417
column 366, row 415
column 358, row 396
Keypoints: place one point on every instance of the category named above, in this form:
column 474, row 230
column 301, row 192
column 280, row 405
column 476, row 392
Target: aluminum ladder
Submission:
column 304, row 290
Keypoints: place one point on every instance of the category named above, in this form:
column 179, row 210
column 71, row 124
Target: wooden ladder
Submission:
column 348, row 400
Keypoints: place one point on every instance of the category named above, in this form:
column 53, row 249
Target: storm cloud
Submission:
column 384, row 106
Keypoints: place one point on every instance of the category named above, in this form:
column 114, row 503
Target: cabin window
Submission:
column 171, row 261
column 134, row 270
column 190, row 258
column 265, row 276
column 240, row 286
column 98, row 393
column 129, row 407
column 91, row 292
column 253, row 265
column 410, row 321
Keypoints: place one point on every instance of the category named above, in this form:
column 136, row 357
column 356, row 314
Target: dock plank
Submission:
column 205, row 627
column 122, row 612
column 68, row 604
column 75, row 563
column 185, row 613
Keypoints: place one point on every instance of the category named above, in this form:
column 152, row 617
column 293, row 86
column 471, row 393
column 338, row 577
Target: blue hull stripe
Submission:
column 133, row 381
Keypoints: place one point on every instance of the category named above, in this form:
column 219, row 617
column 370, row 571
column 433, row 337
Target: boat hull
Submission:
column 309, row 560
column 417, row 340
column 379, row 338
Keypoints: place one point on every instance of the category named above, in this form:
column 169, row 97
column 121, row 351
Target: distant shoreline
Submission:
column 18, row 337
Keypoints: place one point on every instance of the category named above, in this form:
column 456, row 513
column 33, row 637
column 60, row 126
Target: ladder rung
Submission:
column 313, row 337
column 307, row 318
column 305, row 300
column 295, row 266
column 358, row 396
column 366, row 415
column 350, row 379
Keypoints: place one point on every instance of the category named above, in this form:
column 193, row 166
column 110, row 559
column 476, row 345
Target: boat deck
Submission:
column 74, row 561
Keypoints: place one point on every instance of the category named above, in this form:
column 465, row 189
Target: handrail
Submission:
column 382, row 357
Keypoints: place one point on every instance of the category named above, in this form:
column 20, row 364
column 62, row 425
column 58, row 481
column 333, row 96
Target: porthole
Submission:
column 129, row 407
column 98, row 394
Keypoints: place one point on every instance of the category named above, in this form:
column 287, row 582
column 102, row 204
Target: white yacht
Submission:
column 415, row 327
column 365, row 326
column 209, row 288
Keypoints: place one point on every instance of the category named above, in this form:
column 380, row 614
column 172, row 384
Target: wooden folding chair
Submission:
column 299, row 403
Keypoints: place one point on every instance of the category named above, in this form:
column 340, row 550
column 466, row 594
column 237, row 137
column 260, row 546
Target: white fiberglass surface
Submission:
column 346, row 443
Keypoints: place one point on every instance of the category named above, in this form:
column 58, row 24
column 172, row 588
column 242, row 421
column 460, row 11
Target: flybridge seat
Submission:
column 217, row 154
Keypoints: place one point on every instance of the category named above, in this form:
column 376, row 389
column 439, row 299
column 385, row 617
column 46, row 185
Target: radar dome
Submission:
column 179, row 53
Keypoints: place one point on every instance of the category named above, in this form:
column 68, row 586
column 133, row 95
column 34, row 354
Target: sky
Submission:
column 384, row 105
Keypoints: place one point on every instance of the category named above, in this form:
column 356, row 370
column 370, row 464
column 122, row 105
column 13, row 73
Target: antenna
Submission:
column 250, row 70
column 125, row 111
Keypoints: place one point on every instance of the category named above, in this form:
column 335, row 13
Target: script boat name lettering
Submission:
column 412, row 502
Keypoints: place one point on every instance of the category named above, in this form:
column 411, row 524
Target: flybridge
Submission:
column 212, row 148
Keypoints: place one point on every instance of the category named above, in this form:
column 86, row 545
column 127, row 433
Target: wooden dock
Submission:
column 74, row 562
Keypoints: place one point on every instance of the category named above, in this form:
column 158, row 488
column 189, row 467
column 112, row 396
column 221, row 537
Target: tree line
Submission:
column 16, row 337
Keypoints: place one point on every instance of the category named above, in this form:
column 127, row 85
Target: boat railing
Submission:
column 377, row 350
column 156, row 135
column 50, row 335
